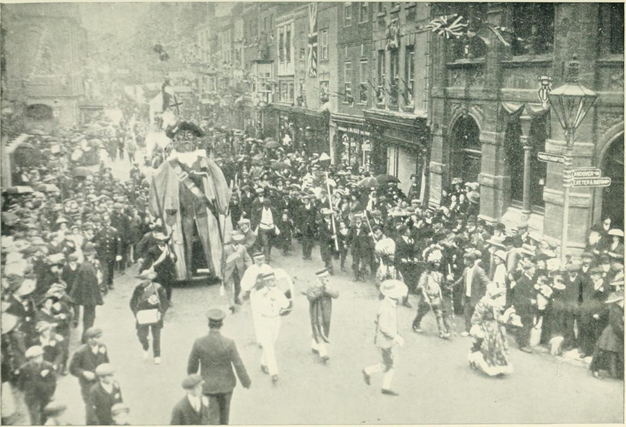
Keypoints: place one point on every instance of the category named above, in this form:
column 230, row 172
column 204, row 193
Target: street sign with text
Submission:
column 591, row 182
column 550, row 158
column 586, row 173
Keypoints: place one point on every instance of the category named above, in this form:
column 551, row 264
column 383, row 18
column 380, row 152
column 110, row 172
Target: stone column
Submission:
column 526, row 208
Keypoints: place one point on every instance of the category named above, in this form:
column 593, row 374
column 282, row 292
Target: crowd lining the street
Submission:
column 67, row 228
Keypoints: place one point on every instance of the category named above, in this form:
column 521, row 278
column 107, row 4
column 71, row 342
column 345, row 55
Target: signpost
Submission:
column 591, row 182
column 551, row 158
column 586, row 173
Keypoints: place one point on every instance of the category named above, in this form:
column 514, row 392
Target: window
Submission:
column 533, row 25
column 363, row 82
column 324, row 44
column 347, row 81
column 302, row 54
column 347, row 14
column 281, row 44
column 409, row 73
column 324, row 91
column 363, row 9
column 380, row 95
column 476, row 13
column 394, row 74
column 284, row 91
column 291, row 92
column 381, row 7
column 288, row 45
column 611, row 29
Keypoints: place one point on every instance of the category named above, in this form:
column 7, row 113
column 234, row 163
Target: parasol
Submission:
column 368, row 182
column 270, row 145
column 383, row 179
column 82, row 171
column 19, row 189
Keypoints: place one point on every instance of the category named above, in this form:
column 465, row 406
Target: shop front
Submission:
column 305, row 129
column 400, row 147
column 353, row 145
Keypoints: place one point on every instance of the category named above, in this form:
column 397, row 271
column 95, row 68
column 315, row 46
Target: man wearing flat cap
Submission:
column 193, row 409
column 86, row 359
column 214, row 356
column 105, row 394
column 38, row 381
column 237, row 260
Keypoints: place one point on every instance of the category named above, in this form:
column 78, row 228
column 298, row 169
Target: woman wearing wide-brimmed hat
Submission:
column 609, row 351
column 149, row 304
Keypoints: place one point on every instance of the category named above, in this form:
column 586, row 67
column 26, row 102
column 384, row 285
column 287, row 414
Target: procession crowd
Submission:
column 68, row 229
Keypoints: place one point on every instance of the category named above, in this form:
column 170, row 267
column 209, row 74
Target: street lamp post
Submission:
column 571, row 102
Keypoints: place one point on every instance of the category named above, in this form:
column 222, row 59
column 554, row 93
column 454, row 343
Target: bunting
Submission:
column 312, row 59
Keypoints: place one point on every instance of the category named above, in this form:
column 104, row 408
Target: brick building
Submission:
column 490, row 116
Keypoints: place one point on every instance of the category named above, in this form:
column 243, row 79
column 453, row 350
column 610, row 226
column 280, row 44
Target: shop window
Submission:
column 380, row 95
column 394, row 76
column 363, row 78
column 473, row 14
column 324, row 45
column 347, row 14
column 533, row 25
column 363, row 9
column 347, row 81
column 324, row 91
column 409, row 72
column 284, row 91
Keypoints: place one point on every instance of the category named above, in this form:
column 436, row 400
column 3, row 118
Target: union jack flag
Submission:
column 312, row 59
column 443, row 27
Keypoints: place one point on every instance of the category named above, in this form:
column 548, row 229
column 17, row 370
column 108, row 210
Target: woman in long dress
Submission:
column 490, row 351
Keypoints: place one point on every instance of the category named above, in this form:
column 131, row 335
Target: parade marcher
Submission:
column 268, row 302
column 387, row 336
column 193, row 409
column 103, row 395
column 264, row 222
column 490, row 350
column 86, row 359
column 237, row 260
column 120, row 412
column 249, row 285
column 474, row 282
column 108, row 245
column 149, row 304
column 320, row 296
column 431, row 290
column 86, row 291
column 162, row 260
column 307, row 225
column 249, row 238
column 38, row 380
column 326, row 238
column 214, row 357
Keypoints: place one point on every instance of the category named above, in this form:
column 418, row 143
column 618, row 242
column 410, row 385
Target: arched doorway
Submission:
column 466, row 149
column 613, row 197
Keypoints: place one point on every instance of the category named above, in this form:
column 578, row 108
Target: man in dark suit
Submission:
column 162, row 260
column 85, row 291
column 523, row 299
column 193, row 409
column 38, row 380
column 264, row 222
column 307, row 214
column 103, row 396
column 474, row 282
column 86, row 359
column 215, row 356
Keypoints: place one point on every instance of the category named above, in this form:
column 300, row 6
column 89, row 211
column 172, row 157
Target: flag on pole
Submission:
column 312, row 59
column 444, row 26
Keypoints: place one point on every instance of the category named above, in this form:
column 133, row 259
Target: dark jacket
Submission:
column 522, row 294
column 84, row 359
column 183, row 414
column 101, row 402
column 215, row 355
column 86, row 290
column 165, row 270
column 38, row 381
column 479, row 284
column 142, row 299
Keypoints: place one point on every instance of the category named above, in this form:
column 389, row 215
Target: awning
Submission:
column 536, row 110
column 512, row 109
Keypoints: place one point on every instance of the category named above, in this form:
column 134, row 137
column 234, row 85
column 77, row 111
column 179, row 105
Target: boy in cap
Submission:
column 249, row 238
column 214, row 355
column 320, row 296
column 120, row 413
column 387, row 336
column 51, row 343
column 236, row 262
column 103, row 396
column 86, row 359
column 38, row 381
column 193, row 409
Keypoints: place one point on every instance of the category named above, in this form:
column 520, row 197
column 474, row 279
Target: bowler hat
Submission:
column 93, row 332
column 105, row 369
column 191, row 381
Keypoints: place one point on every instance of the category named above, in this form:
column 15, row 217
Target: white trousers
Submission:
column 267, row 333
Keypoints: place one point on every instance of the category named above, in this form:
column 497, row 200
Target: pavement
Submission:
column 433, row 378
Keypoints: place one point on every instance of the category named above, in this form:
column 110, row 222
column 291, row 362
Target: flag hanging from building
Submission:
column 312, row 59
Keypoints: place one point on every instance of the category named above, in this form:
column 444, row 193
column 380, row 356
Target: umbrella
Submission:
column 383, row 179
column 48, row 188
column 82, row 171
column 368, row 182
column 250, row 139
column 271, row 145
column 280, row 165
column 19, row 189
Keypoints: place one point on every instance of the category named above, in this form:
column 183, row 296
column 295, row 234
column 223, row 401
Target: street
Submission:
column 433, row 378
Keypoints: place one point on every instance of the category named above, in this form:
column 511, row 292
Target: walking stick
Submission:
column 332, row 217
column 452, row 315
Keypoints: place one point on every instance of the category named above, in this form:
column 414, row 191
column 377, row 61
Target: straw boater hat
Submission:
column 160, row 236
column 146, row 275
column 237, row 237
column 394, row 289
column 616, row 232
column 615, row 297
